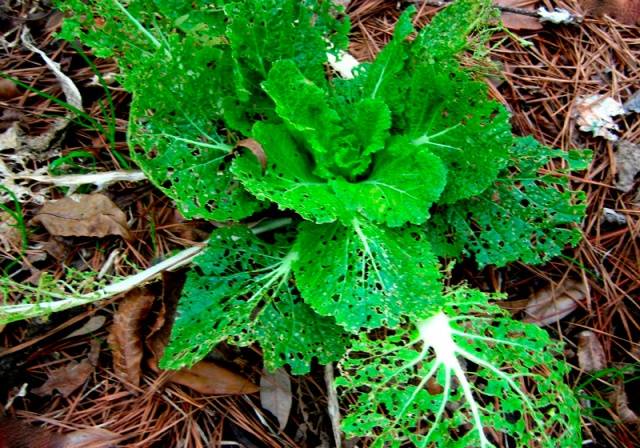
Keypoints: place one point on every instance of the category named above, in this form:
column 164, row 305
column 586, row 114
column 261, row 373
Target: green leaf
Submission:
column 382, row 72
column 365, row 276
column 524, row 217
column 405, row 181
column 451, row 114
column 447, row 35
column 303, row 107
column 240, row 290
column 262, row 32
column 173, row 135
column 467, row 376
column 288, row 179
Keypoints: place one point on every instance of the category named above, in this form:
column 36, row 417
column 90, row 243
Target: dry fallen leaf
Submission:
column 519, row 21
column 68, row 378
column 549, row 305
column 83, row 215
column 620, row 403
column 627, row 165
column 275, row 395
column 624, row 11
column 18, row 434
column 93, row 324
column 8, row 89
column 90, row 438
column 590, row 352
column 205, row 377
column 211, row 379
column 595, row 114
column 125, row 335
column 10, row 236
column 256, row 148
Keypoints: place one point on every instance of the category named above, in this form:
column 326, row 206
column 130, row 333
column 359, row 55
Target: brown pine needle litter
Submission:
column 539, row 75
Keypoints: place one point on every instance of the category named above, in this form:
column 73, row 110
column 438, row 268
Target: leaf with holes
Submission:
column 498, row 378
column 366, row 276
column 241, row 290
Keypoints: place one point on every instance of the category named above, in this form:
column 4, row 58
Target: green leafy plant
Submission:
column 385, row 172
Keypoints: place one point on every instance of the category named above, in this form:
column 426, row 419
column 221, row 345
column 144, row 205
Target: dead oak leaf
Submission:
column 549, row 305
column 627, row 165
column 591, row 355
column 70, row 377
column 83, row 215
column 125, row 335
column 515, row 21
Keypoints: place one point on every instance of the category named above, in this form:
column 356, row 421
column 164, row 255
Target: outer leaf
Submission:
column 405, row 181
column 288, row 179
column 240, row 289
column 451, row 114
column 366, row 276
column 523, row 217
column 381, row 74
column 265, row 31
column 447, row 35
column 466, row 377
column 172, row 135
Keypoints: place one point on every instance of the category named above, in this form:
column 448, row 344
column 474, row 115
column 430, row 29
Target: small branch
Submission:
column 332, row 403
column 11, row 313
column 100, row 180
column 536, row 13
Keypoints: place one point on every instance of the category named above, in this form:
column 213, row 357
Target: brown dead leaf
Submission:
column 627, row 165
column 549, row 305
column 205, row 377
column 15, row 433
column 68, row 378
column 8, row 89
column 276, row 396
column 90, row 438
column 519, row 21
column 256, row 148
column 125, row 335
column 10, row 237
column 590, row 352
column 620, row 403
column 211, row 379
column 624, row 11
column 83, row 215
column 93, row 324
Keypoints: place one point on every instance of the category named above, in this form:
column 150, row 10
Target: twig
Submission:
column 507, row 9
column 332, row 403
column 11, row 313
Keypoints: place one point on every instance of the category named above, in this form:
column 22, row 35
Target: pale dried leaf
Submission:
column 276, row 396
column 620, row 403
column 70, row 377
column 10, row 236
column 595, row 114
column 633, row 103
column 611, row 216
column 93, row 324
column 83, row 215
column 344, row 64
column 549, row 305
column 90, row 438
column 558, row 16
column 627, row 165
column 590, row 352
column 125, row 336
